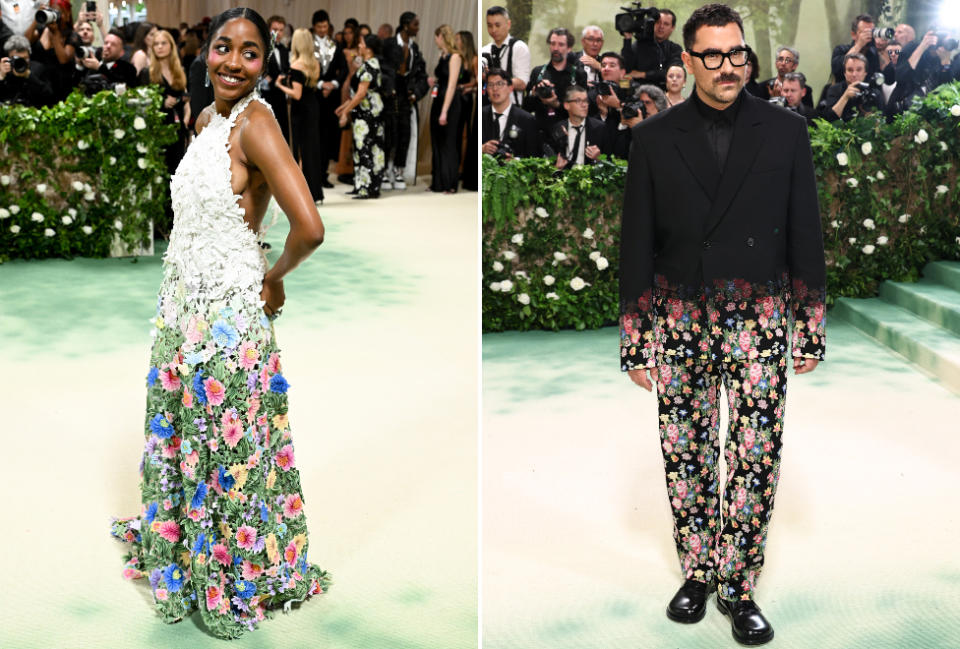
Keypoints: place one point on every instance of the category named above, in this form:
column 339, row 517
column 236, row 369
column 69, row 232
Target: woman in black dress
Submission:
column 300, row 85
column 468, row 116
column 445, row 113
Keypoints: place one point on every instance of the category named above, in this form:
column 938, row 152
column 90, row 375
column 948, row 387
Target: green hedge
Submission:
column 77, row 175
column 888, row 197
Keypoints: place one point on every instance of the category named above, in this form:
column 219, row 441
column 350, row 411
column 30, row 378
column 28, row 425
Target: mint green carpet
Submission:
column 379, row 342
column 577, row 547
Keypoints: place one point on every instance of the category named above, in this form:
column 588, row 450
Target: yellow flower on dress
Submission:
column 300, row 540
column 239, row 473
column 272, row 478
column 280, row 422
column 273, row 552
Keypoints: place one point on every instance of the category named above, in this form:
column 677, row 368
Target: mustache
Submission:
column 733, row 78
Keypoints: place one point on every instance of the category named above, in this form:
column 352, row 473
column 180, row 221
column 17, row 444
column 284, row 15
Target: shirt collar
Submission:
column 711, row 115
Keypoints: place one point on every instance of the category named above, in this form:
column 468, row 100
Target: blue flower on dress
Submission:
column 198, row 390
column 155, row 578
column 199, row 544
column 225, row 479
column 173, row 576
column 225, row 335
column 245, row 589
column 279, row 384
column 199, row 495
column 193, row 358
column 152, row 376
column 151, row 513
column 160, row 426
column 264, row 513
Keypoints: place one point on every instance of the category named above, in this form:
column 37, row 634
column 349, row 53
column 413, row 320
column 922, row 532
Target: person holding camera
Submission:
column 861, row 31
column 853, row 98
column 54, row 45
column 612, row 90
column 508, row 131
column 922, row 66
column 506, row 52
column 787, row 61
column 22, row 80
column 549, row 82
column 589, row 57
column 111, row 69
column 578, row 139
column 793, row 94
column 649, row 55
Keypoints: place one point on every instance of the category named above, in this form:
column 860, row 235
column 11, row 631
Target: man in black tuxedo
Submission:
column 722, row 281
column 112, row 66
column 403, row 54
column 579, row 139
column 333, row 72
column 505, row 123
column 277, row 65
column 648, row 59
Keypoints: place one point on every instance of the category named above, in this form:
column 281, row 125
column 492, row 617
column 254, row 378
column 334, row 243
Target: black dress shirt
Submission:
column 718, row 125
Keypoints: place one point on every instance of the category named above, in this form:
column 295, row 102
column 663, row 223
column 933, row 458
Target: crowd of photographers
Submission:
column 582, row 103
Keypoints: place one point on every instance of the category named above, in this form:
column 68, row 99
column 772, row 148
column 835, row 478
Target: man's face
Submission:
column 785, row 62
column 893, row 51
column 719, row 87
column 322, row 28
column 558, row 48
column 592, row 43
column 112, row 47
column 414, row 27
column 384, row 32
column 85, row 32
column 648, row 104
column 610, row 69
column 498, row 89
column 276, row 28
column 854, row 71
column 577, row 105
column 862, row 26
column 663, row 27
column 498, row 27
column 793, row 92
column 904, row 34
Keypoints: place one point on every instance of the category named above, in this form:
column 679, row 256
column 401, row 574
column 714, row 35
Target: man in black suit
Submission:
column 722, row 281
column 648, row 58
column 787, row 61
column 277, row 65
column 549, row 82
column 507, row 127
column 579, row 139
column 403, row 54
column 333, row 72
column 112, row 66
column 861, row 31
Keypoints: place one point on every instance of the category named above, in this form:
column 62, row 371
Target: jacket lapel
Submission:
column 691, row 142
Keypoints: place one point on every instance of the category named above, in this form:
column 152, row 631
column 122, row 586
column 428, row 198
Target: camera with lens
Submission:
column 543, row 91
column 47, row 16
column 883, row 33
column 503, row 150
column 606, row 88
column 637, row 20
column 779, row 101
column 94, row 83
column 945, row 41
column 633, row 109
column 19, row 64
column 86, row 52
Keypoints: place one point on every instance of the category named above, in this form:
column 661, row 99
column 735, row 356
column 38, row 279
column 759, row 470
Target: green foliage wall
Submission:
column 888, row 199
column 77, row 175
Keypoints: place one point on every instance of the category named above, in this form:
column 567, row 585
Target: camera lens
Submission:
column 18, row 64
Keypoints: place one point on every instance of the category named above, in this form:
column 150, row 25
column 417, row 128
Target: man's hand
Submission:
column 864, row 37
column 804, row 365
column 592, row 151
column 640, row 377
column 610, row 101
column 90, row 63
column 490, row 147
column 561, row 161
column 776, row 88
column 327, row 88
column 4, row 67
column 632, row 121
column 586, row 59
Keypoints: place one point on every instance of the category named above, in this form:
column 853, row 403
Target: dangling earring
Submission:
column 206, row 81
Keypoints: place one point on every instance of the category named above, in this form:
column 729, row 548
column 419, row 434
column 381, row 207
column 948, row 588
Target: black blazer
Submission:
column 414, row 82
column 596, row 132
column 756, row 227
column 527, row 142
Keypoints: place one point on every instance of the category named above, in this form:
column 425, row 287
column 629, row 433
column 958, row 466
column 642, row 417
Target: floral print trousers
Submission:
column 722, row 540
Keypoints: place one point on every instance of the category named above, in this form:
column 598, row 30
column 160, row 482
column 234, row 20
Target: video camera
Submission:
column 638, row 21
column 944, row 40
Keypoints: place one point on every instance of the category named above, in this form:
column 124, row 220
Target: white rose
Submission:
column 141, row 163
column 77, row 185
column 506, row 286
column 880, row 175
column 495, row 287
column 834, row 224
column 522, row 273
column 14, row 228
column 4, row 180
column 942, row 189
column 882, row 240
column 89, row 196
column 921, row 137
column 588, row 234
column 87, row 187
column 82, row 145
column 497, row 266
column 869, row 224
column 509, row 255
column 576, row 283
column 41, row 188
column 868, row 249
column 541, row 212
column 517, row 239
column 523, row 298
column 87, row 229
column 118, row 133
column 842, row 159
column 72, row 212
column 554, row 296
column 853, row 182
column 14, row 209
column 141, row 147
column 559, row 256
column 602, row 263
column 66, row 220
column 955, row 110
column 852, row 240
column 48, row 232
column 113, row 160
column 118, row 224
column 159, row 180
column 37, row 216
column 4, row 213
column 866, row 148
column 595, row 255
column 903, row 218
column 549, row 280
column 139, row 123
column 943, row 146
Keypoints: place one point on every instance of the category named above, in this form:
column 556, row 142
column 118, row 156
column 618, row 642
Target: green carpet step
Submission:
column 934, row 302
column 943, row 272
column 931, row 347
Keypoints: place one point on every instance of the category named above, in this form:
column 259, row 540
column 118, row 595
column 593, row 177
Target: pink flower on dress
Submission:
column 161, row 594
column 756, row 371
column 232, row 429
column 290, row 553
column 673, row 433
column 253, row 405
column 273, row 364
column 246, row 537
column 169, row 530
column 768, row 306
column 695, row 542
column 665, row 374
column 749, row 437
column 172, row 447
column 215, row 391
column 187, row 400
column 213, row 597
column 221, row 554
column 682, row 489
column 745, row 340
column 169, row 379
column 284, row 458
column 248, row 355
column 193, row 335
column 293, row 506
column 251, row 570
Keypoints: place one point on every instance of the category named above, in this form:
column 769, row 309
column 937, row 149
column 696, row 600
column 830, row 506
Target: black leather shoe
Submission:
column 690, row 603
column 749, row 625
column 326, row 184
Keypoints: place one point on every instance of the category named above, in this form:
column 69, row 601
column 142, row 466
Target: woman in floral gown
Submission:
column 221, row 527
column 366, row 109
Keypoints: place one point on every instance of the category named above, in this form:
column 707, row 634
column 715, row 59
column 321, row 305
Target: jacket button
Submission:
column 706, row 245
column 750, row 241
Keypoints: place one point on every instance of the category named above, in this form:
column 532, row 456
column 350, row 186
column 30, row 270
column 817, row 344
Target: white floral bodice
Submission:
column 213, row 257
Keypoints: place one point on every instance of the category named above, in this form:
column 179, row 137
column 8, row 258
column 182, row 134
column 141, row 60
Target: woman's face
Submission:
column 675, row 80
column 161, row 47
column 348, row 37
column 85, row 32
column 458, row 41
column 438, row 39
column 152, row 34
column 235, row 60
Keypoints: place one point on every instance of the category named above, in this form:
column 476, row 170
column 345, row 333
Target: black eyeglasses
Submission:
column 713, row 60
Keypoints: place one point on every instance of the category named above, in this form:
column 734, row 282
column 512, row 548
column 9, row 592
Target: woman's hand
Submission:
column 272, row 295
column 443, row 118
column 344, row 119
column 342, row 109
column 169, row 102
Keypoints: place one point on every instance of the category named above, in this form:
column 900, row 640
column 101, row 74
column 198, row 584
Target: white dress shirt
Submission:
column 578, row 155
column 520, row 58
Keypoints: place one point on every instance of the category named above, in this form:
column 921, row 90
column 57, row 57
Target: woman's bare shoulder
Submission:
column 204, row 118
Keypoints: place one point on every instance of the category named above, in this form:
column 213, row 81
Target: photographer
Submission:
column 113, row 69
column 650, row 54
column 21, row 80
column 506, row 52
column 861, row 31
column 787, row 61
column 550, row 81
column 589, row 57
column 922, row 66
column 855, row 97
column 794, row 92
column 53, row 45
column 579, row 139
column 612, row 90
column 508, row 130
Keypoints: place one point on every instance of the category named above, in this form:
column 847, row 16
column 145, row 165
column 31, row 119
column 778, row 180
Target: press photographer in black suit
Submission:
column 22, row 80
column 922, row 66
column 333, row 72
column 861, row 31
column 111, row 67
column 647, row 59
column 550, row 81
column 508, row 130
column 612, row 90
column 855, row 96
column 578, row 139
column 793, row 93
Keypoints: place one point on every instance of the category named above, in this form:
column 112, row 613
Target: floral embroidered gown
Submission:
column 221, row 527
column 368, row 135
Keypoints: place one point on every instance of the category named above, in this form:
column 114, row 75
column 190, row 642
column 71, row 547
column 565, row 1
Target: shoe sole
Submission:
column 749, row 643
column 683, row 619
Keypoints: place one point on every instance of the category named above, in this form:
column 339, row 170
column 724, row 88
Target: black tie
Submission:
column 575, row 152
column 496, row 125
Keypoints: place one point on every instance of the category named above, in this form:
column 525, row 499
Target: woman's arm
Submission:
column 451, row 86
column 343, row 110
column 63, row 51
column 139, row 60
column 295, row 92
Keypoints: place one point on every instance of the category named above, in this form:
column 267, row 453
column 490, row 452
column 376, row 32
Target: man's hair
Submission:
column 497, row 72
column 671, row 14
column 497, row 10
column 570, row 90
column 795, row 76
column 590, row 28
column 862, row 18
column 794, row 53
column 855, row 55
column 614, row 55
column 276, row 19
column 320, row 16
column 712, row 15
column 657, row 95
column 115, row 32
column 406, row 18
column 16, row 43
column 561, row 31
